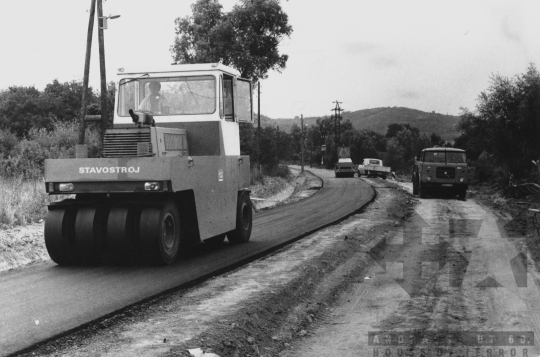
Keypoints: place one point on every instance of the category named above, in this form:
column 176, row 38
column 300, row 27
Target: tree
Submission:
column 394, row 129
column 436, row 140
column 198, row 37
column 246, row 38
column 506, row 124
column 25, row 108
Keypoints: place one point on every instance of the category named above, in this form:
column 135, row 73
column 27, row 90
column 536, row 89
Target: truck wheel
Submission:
column 383, row 177
column 159, row 234
column 244, row 220
column 462, row 194
column 90, row 233
column 414, row 185
column 422, row 191
column 60, row 235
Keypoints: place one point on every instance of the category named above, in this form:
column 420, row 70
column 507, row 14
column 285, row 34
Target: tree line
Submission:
column 398, row 148
column 503, row 134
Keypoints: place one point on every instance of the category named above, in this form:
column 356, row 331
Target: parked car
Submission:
column 373, row 167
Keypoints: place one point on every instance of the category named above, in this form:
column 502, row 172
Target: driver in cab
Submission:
column 154, row 102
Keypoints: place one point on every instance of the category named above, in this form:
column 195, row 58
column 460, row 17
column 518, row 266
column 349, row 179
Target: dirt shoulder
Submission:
column 278, row 191
column 255, row 310
column 448, row 276
column 513, row 217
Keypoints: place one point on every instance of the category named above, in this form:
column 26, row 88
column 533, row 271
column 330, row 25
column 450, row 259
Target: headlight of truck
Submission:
column 65, row 187
column 151, row 186
column 461, row 179
column 428, row 178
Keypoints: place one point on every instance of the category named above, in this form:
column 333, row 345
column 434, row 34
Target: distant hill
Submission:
column 378, row 119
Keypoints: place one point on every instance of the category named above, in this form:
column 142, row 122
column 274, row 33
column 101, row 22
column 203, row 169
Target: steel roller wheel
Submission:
column 159, row 234
column 244, row 220
column 60, row 235
column 90, row 233
column 122, row 230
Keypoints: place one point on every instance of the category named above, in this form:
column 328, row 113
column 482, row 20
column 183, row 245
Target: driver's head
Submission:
column 154, row 87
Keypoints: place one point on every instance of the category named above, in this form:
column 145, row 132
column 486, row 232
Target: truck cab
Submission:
column 440, row 169
column 171, row 173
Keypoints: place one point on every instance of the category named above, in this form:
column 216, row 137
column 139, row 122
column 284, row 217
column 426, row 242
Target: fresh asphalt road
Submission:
column 45, row 300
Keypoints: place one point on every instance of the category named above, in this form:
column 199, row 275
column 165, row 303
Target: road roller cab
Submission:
column 170, row 175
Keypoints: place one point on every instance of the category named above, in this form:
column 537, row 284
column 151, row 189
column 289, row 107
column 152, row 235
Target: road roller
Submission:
column 170, row 173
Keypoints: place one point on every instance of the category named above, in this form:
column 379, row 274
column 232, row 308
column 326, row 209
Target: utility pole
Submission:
column 302, row 141
column 337, row 125
column 259, row 125
column 103, row 75
column 81, row 151
column 87, row 70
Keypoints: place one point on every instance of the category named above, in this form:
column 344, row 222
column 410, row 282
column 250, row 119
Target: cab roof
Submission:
column 443, row 149
column 176, row 68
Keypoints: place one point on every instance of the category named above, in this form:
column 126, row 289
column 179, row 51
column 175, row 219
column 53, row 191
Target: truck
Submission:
column 171, row 173
column 344, row 167
column 373, row 168
column 440, row 169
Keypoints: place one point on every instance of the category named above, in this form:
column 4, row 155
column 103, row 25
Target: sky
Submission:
column 427, row 55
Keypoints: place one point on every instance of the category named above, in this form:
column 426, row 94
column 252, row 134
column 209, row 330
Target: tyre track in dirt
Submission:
column 486, row 292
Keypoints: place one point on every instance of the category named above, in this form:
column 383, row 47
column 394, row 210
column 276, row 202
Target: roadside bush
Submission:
column 256, row 176
column 22, row 201
column 277, row 171
column 8, row 140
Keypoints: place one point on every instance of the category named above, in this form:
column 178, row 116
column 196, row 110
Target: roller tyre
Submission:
column 123, row 230
column 244, row 220
column 60, row 236
column 90, row 233
column 159, row 234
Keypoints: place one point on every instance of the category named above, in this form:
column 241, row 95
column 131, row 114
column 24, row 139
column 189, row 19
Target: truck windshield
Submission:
column 168, row 96
column 374, row 162
column 442, row 156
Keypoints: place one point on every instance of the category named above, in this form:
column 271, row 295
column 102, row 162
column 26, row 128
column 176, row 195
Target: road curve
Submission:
column 45, row 300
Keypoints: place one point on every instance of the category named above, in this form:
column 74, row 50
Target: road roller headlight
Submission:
column 428, row 178
column 151, row 186
column 65, row 187
column 461, row 179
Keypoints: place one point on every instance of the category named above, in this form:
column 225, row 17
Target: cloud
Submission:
column 359, row 47
column 408, row 94
column 509, row 30
column 384, row 61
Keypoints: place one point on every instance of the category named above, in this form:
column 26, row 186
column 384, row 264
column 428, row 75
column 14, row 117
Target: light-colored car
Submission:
column 373, row 167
